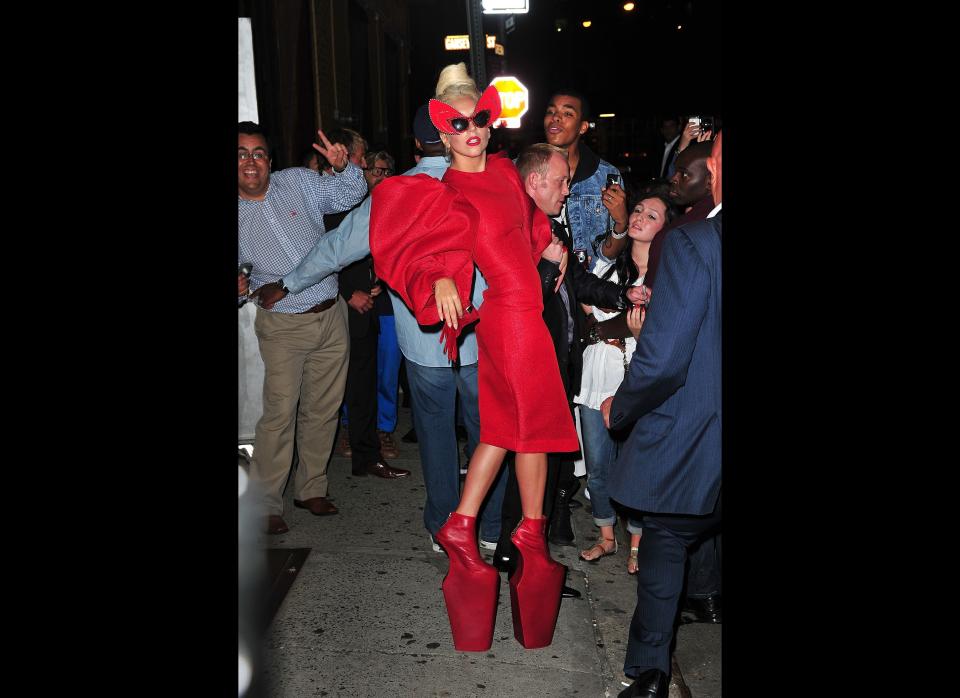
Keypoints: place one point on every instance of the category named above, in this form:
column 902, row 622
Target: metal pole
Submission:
column 478, row 43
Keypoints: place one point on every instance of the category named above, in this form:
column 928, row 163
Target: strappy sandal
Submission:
column 632, row 564
column 603, row 551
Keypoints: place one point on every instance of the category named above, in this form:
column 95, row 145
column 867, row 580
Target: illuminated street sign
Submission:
column 514, row 101
column 461, row 42
column 504, row 7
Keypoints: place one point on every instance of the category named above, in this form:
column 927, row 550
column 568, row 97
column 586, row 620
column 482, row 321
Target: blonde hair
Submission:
column 455, row 82
column 536, row 158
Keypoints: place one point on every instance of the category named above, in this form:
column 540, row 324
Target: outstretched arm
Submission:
column 345, row 244
column 341, row 246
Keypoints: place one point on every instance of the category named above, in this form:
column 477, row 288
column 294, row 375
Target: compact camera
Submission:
column 704, row 122
column 613, row 179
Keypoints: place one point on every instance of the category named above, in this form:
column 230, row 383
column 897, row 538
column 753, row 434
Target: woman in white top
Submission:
column 604, row 364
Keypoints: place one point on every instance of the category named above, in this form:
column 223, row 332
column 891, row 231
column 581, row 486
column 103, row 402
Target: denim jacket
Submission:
column 586, row 214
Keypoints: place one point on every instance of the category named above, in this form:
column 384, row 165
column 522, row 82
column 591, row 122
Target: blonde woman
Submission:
column 425, row 236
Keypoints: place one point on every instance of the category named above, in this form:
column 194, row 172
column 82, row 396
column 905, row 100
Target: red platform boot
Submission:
column 471, row 587
column 535, row 586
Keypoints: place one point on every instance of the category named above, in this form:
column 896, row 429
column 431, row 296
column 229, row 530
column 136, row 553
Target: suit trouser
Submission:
column 703, row 576
column 305, row 361
column 361, row 399
column 661, row 563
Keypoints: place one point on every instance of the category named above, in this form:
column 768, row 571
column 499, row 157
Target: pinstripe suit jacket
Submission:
column 672, row 391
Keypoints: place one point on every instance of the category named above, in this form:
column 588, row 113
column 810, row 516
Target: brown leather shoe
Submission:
column 383, row 469
column 388, row 447
column 276, row 525
column 343, row 443
column 318, row 506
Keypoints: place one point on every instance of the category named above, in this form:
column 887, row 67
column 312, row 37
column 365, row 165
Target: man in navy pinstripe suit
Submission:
column 669, row 468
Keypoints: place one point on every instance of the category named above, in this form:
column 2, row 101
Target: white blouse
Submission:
column 603, row 363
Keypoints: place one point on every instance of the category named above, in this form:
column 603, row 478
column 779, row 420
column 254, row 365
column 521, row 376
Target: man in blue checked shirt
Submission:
column 303, row 339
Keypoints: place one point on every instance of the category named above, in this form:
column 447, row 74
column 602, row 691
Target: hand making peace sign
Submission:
column 335, row 153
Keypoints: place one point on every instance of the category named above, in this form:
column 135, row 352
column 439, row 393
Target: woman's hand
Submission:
column 693, row 132
column 690, row 133
column 448, row 302
column 635, row 318
column 554, row 251
column 639, row 295
column 615, row 199
column 605, row 410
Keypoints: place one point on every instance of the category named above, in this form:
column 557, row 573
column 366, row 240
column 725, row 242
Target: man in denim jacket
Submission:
column 591, row 209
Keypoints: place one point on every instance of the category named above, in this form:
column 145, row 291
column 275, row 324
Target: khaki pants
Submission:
column 305, row 361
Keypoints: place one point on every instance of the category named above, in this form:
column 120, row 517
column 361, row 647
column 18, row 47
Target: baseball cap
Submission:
column 423, row 128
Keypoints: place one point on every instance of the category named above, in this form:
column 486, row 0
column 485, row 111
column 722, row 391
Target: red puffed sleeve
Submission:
column 421, row 231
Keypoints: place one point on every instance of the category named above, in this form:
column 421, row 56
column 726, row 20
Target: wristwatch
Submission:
column 283, row 286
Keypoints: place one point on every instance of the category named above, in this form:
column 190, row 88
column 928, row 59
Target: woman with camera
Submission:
column 425, row 236
column 605, row 362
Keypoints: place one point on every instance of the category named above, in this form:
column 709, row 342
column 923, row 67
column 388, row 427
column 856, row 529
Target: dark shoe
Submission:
column 388, row 447
column 652, row 683
column 561, row 532
column 318, row 506
column 276, row 525
column 569, row 593
column 703, row 610
column 382, row 469
column 410, row 437
column 505, row 556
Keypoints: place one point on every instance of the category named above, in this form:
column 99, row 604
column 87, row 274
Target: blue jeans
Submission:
column 600, row 451
column 433, row 396
column 388, row 375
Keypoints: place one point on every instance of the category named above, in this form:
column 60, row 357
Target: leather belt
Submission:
column 618, row 343
column 320, row 307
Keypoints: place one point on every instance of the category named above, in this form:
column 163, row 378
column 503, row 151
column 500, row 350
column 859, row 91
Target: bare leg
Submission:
column 484, row 466
column 531, row 478
column 632, row 564
column 606, row 545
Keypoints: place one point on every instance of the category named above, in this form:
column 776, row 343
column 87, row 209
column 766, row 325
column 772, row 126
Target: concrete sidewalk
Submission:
column 365, row 615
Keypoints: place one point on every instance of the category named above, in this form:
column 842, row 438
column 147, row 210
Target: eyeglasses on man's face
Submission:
column 246, row 155
column 379, row 171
